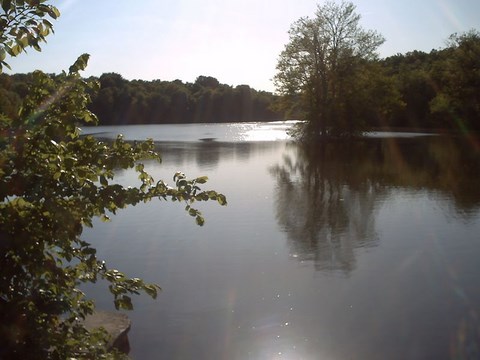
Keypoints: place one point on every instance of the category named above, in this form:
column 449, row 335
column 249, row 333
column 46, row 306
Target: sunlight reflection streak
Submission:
column 450, row 15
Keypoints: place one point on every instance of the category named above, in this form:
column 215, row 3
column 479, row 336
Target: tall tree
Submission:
column 323, row 55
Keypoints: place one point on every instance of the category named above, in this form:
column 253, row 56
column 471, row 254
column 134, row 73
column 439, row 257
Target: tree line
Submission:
column 415, row 90
column 439, row 89
column 120, row 101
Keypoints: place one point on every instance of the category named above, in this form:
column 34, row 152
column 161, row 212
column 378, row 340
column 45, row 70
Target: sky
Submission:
column 236, row 41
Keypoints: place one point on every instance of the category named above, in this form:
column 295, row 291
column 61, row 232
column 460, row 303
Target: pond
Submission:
column 361, row 249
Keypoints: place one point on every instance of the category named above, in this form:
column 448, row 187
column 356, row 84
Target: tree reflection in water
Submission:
column 327, row 194
column 326, row 212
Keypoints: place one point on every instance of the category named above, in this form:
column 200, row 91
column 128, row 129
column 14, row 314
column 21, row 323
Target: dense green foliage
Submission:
column 206, row 100
column 53, row 183
column 330, row 73
column 24, row 24
column 328, row 64
column 440, row 89
column 120, row 101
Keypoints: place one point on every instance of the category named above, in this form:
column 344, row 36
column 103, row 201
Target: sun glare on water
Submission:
column 270, row 131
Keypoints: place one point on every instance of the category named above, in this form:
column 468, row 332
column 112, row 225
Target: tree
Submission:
column 53, row 182
column 207, row 81
column 24, row 24
column 325, row 54
column 457, row 101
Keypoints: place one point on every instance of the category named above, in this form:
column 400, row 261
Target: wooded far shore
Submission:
column 436, row 90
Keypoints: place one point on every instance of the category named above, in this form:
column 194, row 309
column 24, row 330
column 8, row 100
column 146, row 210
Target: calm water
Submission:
column 361, row 250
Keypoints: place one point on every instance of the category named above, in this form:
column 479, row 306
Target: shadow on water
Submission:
column 326, row 194
column 208, row 155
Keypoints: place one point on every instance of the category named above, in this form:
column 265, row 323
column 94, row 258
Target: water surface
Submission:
column 366, row 249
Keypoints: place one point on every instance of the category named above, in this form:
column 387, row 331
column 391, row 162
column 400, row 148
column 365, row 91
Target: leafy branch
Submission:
column 53, row 182
column 23, row 24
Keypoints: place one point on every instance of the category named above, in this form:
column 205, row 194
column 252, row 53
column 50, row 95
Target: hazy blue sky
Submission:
column 236, row 41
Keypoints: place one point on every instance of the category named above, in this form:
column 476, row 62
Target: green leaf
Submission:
column 47, row 23
column 103, row 180
column 201, row 179
column 145, row 146
column 6, row 65
column 15, row 50
column 152, row 290
column 222, row 200
column 200, row 220
column 79, row 64
column 53, row 12
column 20, row 203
